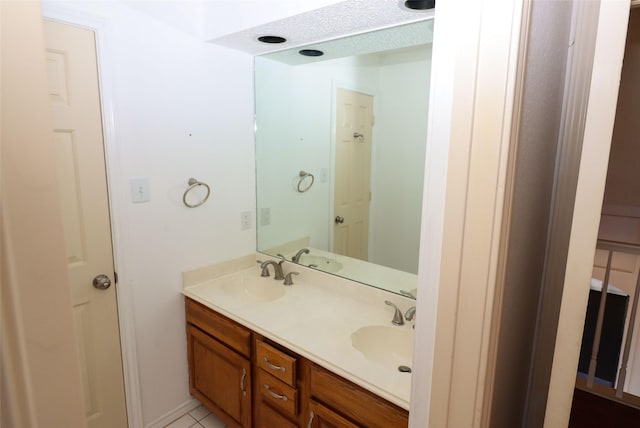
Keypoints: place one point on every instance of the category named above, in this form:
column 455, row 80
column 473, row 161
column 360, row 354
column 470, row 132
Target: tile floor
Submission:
column 197, row 418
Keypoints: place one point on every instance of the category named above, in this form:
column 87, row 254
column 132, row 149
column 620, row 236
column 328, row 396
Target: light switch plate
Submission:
column 265, row 216
column 324, row 175
column 140, row 189
column 245, row 220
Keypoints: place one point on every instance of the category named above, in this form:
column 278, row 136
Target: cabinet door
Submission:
column 219, row 378
column 323, row 417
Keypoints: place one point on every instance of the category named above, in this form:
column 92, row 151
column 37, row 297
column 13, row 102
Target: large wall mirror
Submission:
column 340, row 150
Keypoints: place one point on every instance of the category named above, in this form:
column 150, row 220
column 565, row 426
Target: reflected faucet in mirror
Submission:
column 296, row 258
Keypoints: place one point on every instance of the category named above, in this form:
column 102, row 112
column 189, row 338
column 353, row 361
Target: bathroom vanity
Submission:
column 261, row 358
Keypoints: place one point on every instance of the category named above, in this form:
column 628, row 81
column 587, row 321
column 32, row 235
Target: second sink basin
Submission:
column 320, row 262
column 254, row 289
column 388, row 346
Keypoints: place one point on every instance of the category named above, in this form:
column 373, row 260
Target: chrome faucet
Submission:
column 397, row 316
column 278, row 273
column 296, row 258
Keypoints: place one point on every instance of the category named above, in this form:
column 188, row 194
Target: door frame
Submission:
column 602, row 96
column 117, row 200
column 473, row 84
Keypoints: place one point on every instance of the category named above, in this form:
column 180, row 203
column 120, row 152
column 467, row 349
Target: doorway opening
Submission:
column 607, row 391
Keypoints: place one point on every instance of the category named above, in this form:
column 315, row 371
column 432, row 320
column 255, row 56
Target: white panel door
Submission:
column 75, row 100
column 354, row 122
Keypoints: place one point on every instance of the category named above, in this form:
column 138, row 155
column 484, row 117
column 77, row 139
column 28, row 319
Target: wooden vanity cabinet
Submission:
column 219, row 364
column 249, row 381
column 354, row 404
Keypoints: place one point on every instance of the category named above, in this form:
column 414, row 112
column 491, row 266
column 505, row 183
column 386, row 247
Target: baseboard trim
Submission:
column 174, row 414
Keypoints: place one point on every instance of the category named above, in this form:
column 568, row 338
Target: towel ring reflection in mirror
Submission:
column 193, row 183
column 303, row 179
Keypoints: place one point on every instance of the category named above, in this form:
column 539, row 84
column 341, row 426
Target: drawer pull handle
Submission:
column 273, row 367
column 311, row 420
column 274, row 395
column 244, row 376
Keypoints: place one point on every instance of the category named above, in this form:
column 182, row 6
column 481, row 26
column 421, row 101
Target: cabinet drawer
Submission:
column 278, row 394
column 276, row 363
column 354, row 402
column 222, row 328
column 269, row 418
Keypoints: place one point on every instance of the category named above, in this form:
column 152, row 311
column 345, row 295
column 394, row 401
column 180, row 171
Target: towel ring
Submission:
column 303, row 175
column 193, row 183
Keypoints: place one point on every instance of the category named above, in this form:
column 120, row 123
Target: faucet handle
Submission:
column 278, row 272
column 288, row 280
column 265, row 268
column 410, row 314
column 397, row 316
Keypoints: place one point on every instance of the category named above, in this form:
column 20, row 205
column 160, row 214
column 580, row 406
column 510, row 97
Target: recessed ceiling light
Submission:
column 311, row 52
column 271, row 39
column 420, row 4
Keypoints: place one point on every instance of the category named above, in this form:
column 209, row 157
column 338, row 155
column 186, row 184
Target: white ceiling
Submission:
column 330, row 22
column 381, row 41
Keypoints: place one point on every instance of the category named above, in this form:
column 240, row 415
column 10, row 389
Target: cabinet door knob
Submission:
column 339, row 220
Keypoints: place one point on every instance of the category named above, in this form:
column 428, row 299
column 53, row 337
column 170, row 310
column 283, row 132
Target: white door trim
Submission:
column 473, row 84
column 599, row 120
column 117, row 200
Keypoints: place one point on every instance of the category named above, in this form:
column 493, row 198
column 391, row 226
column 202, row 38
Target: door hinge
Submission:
column 115, row 277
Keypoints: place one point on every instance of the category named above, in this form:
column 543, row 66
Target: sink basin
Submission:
column 388, row 346
column 254, row 289
column 320, row 262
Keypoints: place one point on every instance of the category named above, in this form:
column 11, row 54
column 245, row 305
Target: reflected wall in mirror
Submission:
column 340, row 151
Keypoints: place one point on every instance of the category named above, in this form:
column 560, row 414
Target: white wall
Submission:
column 180, row 108
column 295, row 117
column 398, row 160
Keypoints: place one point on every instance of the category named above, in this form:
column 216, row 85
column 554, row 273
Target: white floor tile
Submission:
column 185, row 421
column 212, row 421
column 199, row 413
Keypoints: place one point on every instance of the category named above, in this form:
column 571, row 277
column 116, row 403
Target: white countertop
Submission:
column 315, row 319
